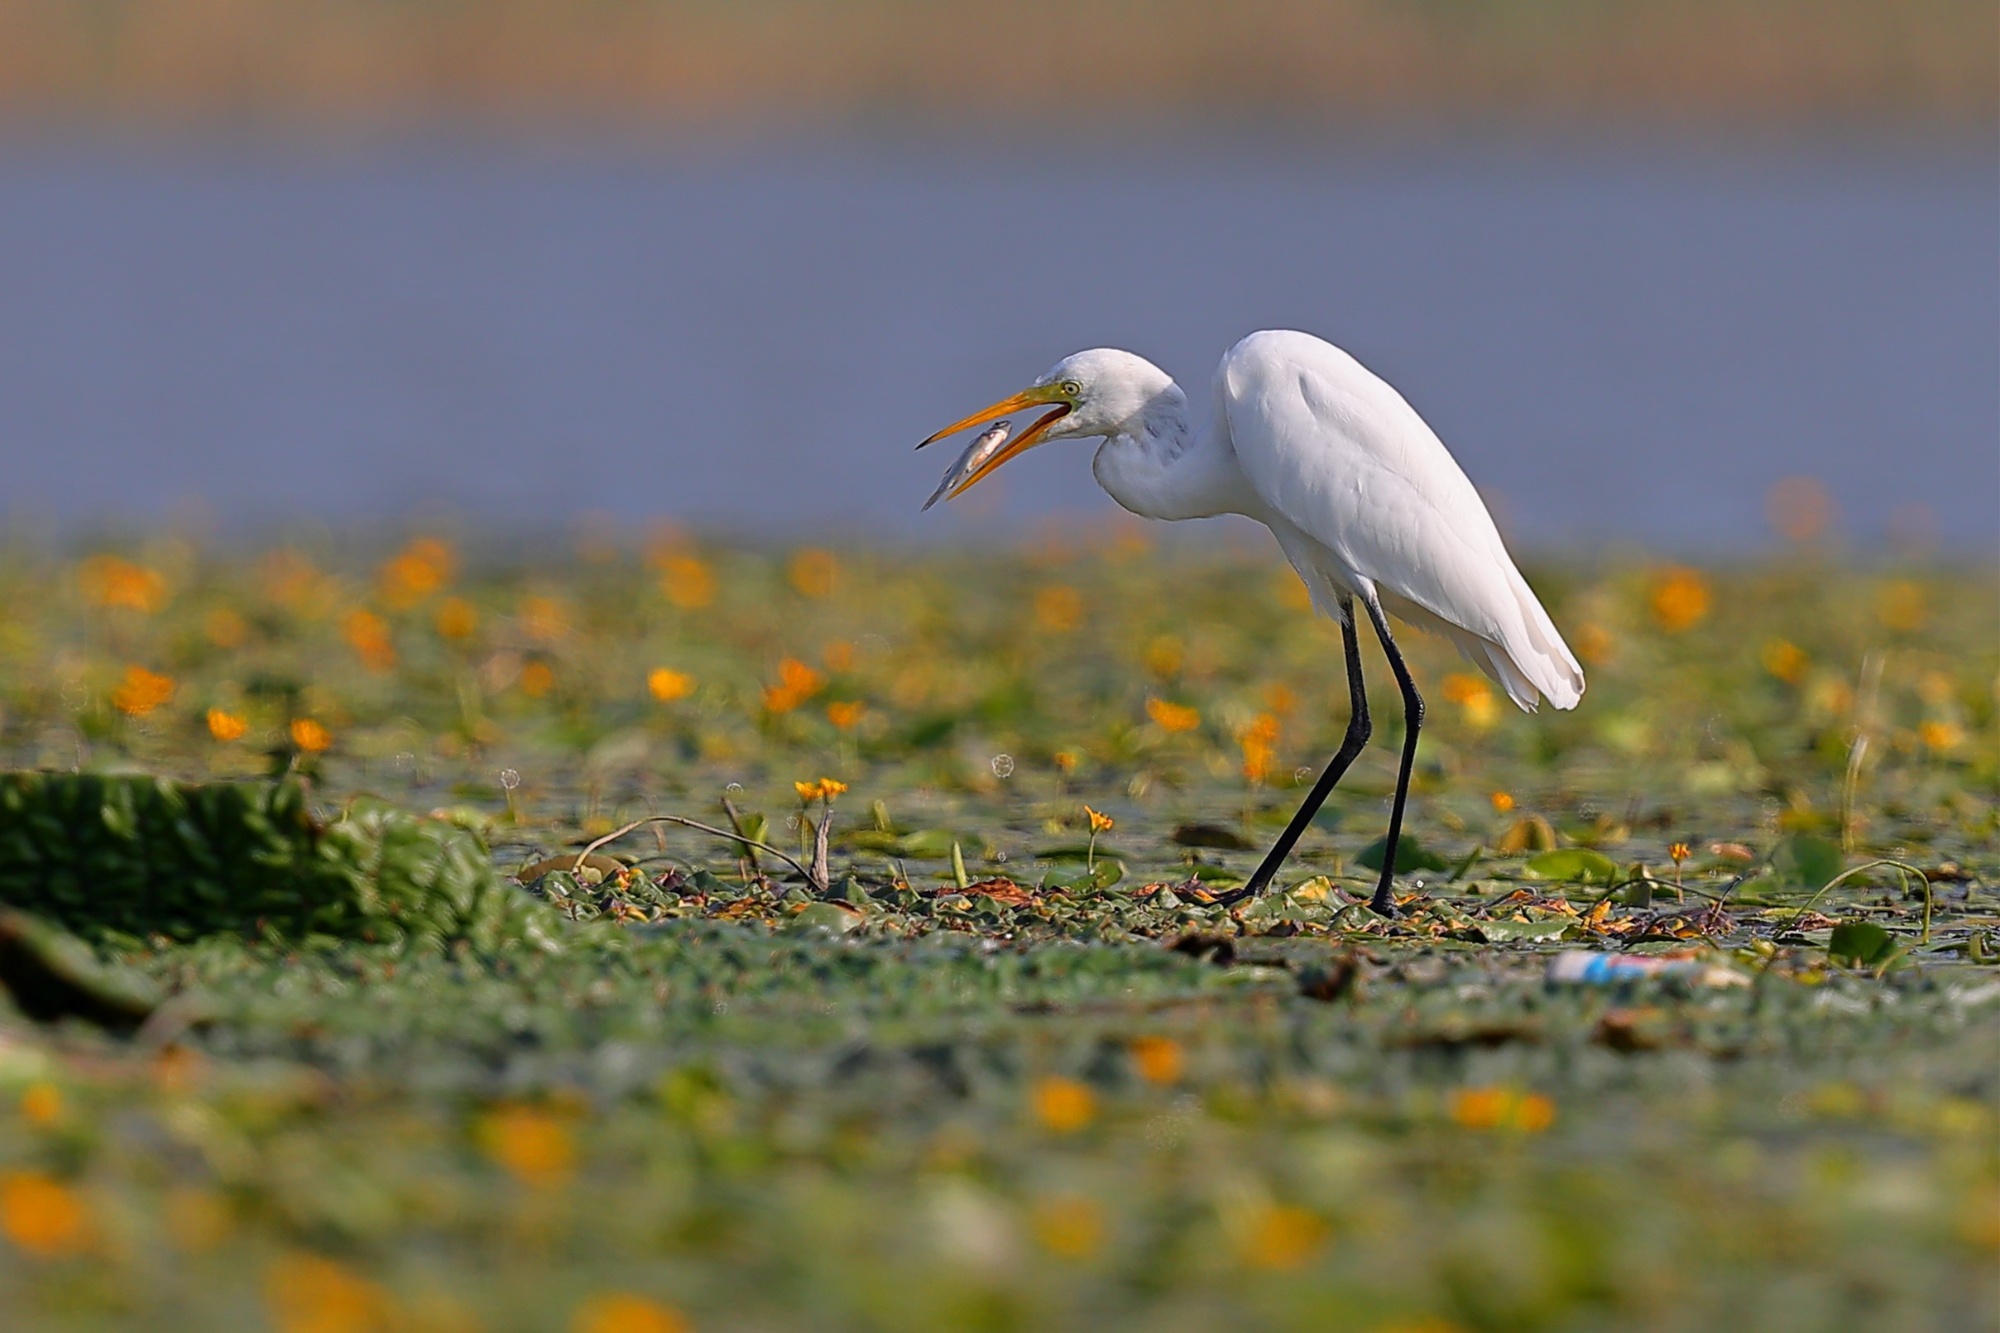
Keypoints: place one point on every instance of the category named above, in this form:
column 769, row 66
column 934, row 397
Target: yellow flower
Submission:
column 141, row 691
column 813, row 572
column 797, row 683
column 1502, row 801
column 823, row 790
column 457, row 618
column 1941, row 735
column 1058, row 609
column 309, row 735
column 1678, row 853
column 687, row 581
column 831, row 787
column 1902, row 605
column 1099, row 821
column 1158, row 1059
column 41, row 1215
column 534, row 1146
column 845, row 714
column 1785, row 660
column 623, row 1312
column 667, row 684
column 1066, row 761
column 1474, row 697
column 417, row 571
column 110, row 581
column 1281, row 1237
column 42, row 1104
column 1172, row 717
column 1069, row 1225
column 308, row 1294
column 368, row 635
column 808, row 791
column 1063, row 1105
column 1164, row 656
column 1679, row 599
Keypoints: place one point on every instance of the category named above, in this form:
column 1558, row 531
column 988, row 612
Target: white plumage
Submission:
column 1362, row 496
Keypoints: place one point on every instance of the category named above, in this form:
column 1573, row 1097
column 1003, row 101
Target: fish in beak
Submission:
column 993, row 447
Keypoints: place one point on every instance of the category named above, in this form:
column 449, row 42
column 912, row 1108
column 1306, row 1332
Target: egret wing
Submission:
column 1345, row 462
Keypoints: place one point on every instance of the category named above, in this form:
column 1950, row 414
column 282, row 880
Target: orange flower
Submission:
column 1941, row 735
column 1158, row 1059
column 1281, row 1237
column 1502, row 801
column 823, row 790
column 309, row 735
column 110, row 581
column 41, row 1215
column 1172, row 717
column 1066, row 761
column 844, row 715
column 42, row 1104
column 813, row 572
column 544, row 619
column 308, row 1294
column 1902, row 605
column 1679, row 599
column 797, row 683
column 1099, row 821
column 1501, row 1108
column 457, row 618
column 1058, row 609
column 1785, row 660
column 1474, row 697
column 417, row 571
column 368, row 635
column 667, row 684
column 1063, row 1105
column 141, row 691
column 687, row 581
column 534, row 1146
column 1069, row 1225
column 1259, row 741
column 225, row 628
column 537, row 679
column 623, row 1312
column 226, row 727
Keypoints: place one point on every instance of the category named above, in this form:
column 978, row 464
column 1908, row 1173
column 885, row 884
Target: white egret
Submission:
column 1362, row 496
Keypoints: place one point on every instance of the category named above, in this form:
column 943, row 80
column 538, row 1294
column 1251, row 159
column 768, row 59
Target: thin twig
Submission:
column 616, row 834
column 1902, row 867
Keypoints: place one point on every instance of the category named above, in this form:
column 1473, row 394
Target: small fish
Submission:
column 975, row 455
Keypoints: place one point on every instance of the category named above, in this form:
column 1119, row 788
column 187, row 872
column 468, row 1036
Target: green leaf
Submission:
column 1861, row 944
column 1410, row 855
column 1213, row 836
column 1574, row 865
column 927, row 844
column 827, row 916
column 1806, row 861
column 1083, row 879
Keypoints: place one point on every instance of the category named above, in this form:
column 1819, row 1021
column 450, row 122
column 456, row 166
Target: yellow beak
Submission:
column 1026, row 440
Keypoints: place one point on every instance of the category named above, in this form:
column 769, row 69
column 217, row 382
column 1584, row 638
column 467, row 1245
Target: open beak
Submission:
column 1026, row 400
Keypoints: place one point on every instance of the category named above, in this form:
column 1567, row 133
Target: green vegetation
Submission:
column 941, row 1027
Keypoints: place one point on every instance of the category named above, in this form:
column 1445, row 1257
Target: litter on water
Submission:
column 1579, row 967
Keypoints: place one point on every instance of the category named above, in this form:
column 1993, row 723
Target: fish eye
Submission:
column 1071, row 387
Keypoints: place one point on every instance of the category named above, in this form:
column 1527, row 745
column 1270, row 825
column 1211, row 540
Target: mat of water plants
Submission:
column 657, row 935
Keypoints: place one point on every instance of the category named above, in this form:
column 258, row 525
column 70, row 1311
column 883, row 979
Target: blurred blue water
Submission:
column 1622, row 345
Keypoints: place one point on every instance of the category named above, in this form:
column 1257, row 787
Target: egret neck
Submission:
column 1156, row 465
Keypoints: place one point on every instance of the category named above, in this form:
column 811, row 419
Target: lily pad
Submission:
column 1807, row 861
column 1574, row 865
column 1085, row 879
column 1504, row 932
column 1861, row 944
column 1212, row 836
column 1410, row 855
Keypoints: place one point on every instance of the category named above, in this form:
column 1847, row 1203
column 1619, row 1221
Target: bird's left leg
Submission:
column 1413, row 719
column 1351, row 745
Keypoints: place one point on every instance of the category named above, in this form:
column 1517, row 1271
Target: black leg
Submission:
column 1413, row 719
column 1358, row 731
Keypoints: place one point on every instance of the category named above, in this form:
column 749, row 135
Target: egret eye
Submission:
column 1072, row 388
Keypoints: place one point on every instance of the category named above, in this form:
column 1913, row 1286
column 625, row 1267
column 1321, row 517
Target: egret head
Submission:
column 1102, row 391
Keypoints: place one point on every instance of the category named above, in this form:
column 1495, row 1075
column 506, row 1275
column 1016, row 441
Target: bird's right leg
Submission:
column 1351, row 745
column 1384, row 901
